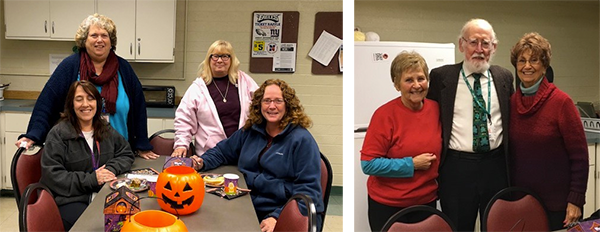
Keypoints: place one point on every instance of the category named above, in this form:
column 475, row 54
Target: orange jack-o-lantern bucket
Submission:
column 153, row 220
column 181, row 190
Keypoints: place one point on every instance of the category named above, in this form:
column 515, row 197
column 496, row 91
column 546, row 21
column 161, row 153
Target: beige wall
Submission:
column 25, row 63
column 571, row 28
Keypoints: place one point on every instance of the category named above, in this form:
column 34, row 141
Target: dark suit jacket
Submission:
column 443, row 82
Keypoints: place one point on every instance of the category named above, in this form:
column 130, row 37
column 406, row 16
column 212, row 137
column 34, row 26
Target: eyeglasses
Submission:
column 277, row 101
column 485, row 44
column 224, row 57
column 534, row 61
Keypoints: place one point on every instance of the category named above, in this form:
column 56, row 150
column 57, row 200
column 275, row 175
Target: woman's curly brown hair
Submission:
column 294, row 112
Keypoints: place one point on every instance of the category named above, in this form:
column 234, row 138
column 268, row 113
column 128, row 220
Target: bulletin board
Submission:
column 289, row 34
column 331, row 22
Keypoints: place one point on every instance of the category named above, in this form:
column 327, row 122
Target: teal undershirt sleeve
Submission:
column 387, row 167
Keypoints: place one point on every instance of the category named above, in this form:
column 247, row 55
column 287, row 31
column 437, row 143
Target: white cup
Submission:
column 231, row 183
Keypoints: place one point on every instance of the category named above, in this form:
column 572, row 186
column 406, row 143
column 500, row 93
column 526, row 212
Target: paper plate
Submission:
column 115, row 184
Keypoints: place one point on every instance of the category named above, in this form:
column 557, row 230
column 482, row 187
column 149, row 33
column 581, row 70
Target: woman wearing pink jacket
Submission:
column 216, row 104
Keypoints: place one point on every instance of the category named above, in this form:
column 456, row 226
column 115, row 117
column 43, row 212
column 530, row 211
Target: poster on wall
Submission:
column 284, row 60
column 266, row 34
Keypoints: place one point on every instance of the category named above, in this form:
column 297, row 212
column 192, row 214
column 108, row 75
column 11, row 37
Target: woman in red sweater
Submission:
column 402, row 145
column 547, row 142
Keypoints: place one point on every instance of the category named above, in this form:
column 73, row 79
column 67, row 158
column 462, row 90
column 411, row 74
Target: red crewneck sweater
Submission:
column 548, row 147
column 396, row 131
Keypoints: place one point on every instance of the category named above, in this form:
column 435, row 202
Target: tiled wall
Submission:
column 25, row 63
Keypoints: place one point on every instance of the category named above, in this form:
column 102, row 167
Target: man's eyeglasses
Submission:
column 224, row 57
column 485, row 44
column 534, row 61
column 277, row 101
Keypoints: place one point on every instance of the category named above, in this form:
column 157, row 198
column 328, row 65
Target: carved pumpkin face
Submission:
column 153, row 220
column 181, row 189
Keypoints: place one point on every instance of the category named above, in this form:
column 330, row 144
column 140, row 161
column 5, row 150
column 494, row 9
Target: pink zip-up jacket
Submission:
column 197, row 115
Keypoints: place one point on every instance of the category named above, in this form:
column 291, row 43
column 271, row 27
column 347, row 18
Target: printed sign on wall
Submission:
column 266, row 34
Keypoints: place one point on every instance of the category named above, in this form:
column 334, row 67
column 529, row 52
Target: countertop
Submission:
column 592, row 137
column 27, row 106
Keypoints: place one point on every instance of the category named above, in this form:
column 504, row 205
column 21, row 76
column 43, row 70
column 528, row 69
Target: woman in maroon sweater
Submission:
column 547, row 141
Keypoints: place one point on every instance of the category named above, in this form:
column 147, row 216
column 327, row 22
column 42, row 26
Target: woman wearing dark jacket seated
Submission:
column 82, row 152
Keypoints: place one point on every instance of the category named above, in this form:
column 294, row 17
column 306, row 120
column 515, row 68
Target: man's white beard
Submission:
column 478, row 67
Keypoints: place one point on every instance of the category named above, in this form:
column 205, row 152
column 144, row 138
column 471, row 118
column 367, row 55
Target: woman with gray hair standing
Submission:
column 123, row 103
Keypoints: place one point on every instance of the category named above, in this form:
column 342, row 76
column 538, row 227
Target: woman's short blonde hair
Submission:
column 99, row 20
column 407, row 61
column 204, row 69
column 294, row 111
column 538, row 45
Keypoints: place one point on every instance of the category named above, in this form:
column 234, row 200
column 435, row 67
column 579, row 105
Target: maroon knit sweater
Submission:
column 548, row 147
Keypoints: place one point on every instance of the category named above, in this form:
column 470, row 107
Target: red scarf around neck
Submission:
column 108, row 79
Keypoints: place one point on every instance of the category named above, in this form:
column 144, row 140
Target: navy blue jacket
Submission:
column 291, row 165
column 52, row 101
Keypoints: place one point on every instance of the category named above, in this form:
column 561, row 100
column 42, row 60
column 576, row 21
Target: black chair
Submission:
column 326, row 182
column 515, row 209
column 25, row 169
column 291, row 219
column 38, row 211
column 164, row 146
column 437, row 221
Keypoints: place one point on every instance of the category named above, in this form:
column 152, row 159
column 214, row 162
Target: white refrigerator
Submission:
column 373, row 87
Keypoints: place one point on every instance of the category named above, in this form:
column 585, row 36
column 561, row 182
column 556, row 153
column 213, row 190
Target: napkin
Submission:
column 221, row 192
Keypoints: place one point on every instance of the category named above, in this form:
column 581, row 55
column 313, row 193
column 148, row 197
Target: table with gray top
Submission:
column 215, row 214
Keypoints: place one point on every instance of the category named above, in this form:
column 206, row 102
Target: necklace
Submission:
column 226, row 90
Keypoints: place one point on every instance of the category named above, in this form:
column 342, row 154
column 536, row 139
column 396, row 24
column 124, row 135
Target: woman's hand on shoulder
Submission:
column 423, row 161
column 148, row 154
column 179, row 152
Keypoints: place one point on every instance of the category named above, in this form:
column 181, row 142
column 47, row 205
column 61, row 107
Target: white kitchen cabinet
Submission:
column 145, row 29
column 13, row 124
column 154, row 125
column 45, row 19
column 157, row 124
column 597, row 175
column 591, row 193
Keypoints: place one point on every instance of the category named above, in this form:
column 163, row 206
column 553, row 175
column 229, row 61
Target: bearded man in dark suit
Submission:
column 475, row 120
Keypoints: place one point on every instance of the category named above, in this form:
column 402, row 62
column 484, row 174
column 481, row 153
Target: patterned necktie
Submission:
column 480, row 132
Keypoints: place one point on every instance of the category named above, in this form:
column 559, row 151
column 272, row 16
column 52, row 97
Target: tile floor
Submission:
column 9, row 214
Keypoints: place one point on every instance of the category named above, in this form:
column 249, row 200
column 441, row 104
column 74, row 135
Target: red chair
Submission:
column 164, row 146
column 42, row 214
column 515, row 209
column 291, row 219
column 326, row 182
column 437, row 221
column 25, row 169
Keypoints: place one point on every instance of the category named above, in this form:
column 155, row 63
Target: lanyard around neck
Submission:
column 95, row 162
column 489, row 105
